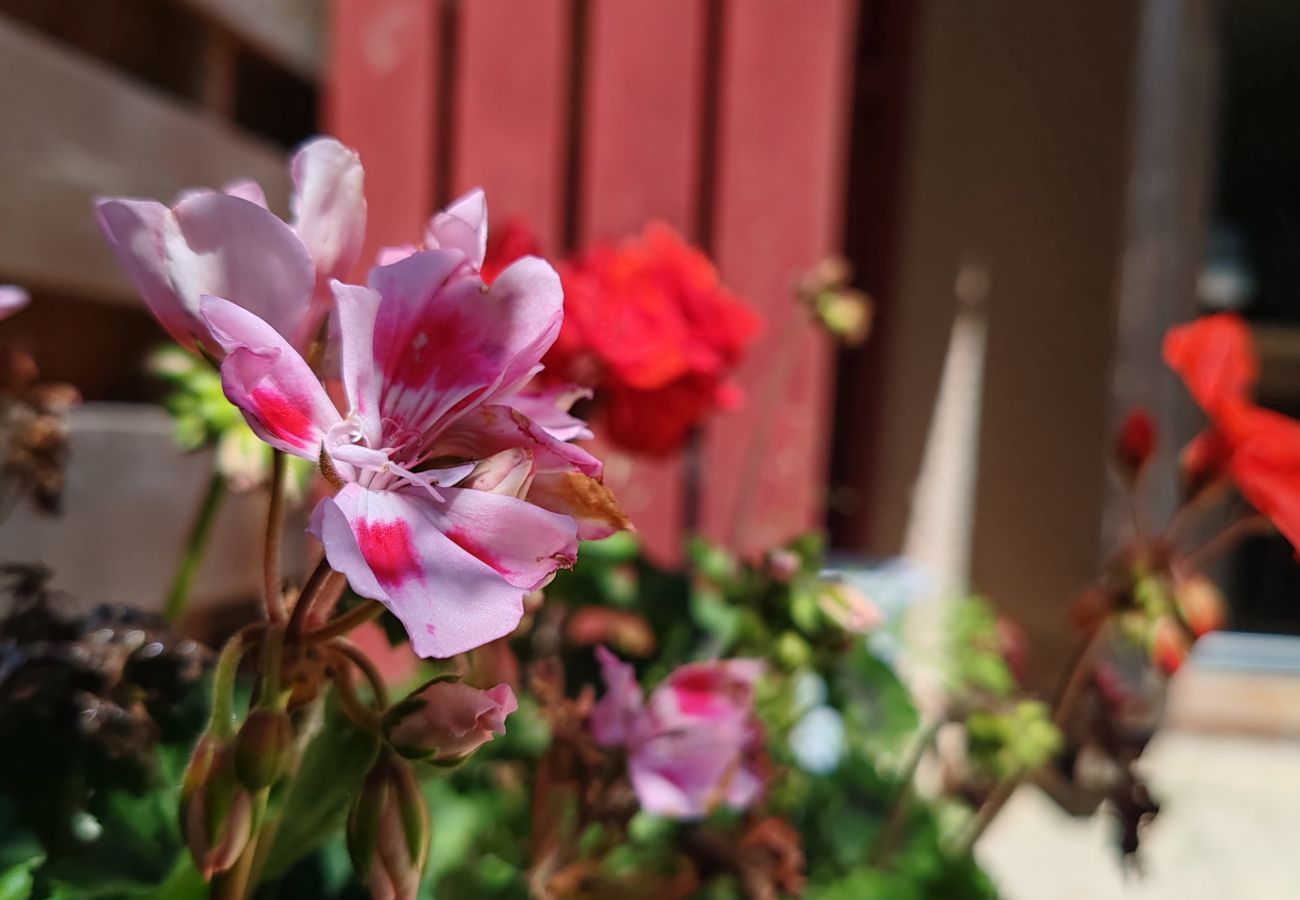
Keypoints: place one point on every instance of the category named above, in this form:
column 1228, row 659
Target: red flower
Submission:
column 1265, row 464
column 650, row 319
column 1216, row 358
column 649, row 324
column 509, row 242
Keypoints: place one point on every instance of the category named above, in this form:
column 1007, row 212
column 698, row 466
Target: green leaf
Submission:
column 317, row 799
column 16, row 882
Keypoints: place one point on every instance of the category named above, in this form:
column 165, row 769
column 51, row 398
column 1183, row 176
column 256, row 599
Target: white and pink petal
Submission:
column 268, row 380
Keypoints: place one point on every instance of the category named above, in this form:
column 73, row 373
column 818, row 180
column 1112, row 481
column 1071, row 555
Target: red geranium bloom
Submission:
column 651, row 316
column 649, row 324
column 1216, row 358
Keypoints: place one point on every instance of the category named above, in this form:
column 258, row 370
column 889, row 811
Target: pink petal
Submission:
column 329, row 207
column 389, row 255
column 357, row 308
column 549, row 408
column 450, row 595
column 423, row 345
column 136, row 230
column 461, row 226
column 280, row 396
column 228, row 247
column 490, row 429
column 720, row 693
column 246, row 189
column 523, row 543
column 685, row 774
column 615, row 715
column 12, row 299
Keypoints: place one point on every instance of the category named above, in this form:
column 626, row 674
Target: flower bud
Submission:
column 263, row 748
column 1201, row 605
column 849, row 608
column 388, row 830
column 1204, row 461
column 447, row 720
column 783, row 564
column 1169, row 644
column 509, row 472
column 216, row 811
column 1135, row 443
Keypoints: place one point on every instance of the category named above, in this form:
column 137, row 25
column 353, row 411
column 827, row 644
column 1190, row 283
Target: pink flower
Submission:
column 229, row 245
column 693, row 745
column 12, row 299
column 453, row 504
column 448, row 720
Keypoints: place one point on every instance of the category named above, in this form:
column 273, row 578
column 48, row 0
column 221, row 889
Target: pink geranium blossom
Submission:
column 453, row 504
column 12, row 299
column 692, row 746
column 227, row 244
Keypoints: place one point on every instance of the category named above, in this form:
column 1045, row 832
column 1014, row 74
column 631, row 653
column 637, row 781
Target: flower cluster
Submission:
column 650, row 325
column 458, row 492
column 693, row 745
column 1257, row 448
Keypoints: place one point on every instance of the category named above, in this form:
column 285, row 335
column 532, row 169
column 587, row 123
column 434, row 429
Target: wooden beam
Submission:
column 638, row 161
column 290, row 33
column 785, row 79
column 75, row 129
column 382, row 97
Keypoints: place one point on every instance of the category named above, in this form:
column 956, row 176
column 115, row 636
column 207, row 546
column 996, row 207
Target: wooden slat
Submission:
column 74, row 129
column 783, row 111
column 290, row 33
column 381, row 98
column 511, row 109
column 643, row 90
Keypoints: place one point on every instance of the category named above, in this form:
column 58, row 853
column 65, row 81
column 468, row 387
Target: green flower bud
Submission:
column 388, row 830
column 264, row 748
column 216, row 810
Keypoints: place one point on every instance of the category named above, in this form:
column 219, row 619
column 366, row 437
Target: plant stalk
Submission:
column 196, row 545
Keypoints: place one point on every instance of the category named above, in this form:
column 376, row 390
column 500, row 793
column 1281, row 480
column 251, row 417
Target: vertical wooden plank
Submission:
column 511, row 106
column 780, row 179
column 639, row 159
column 381, row 98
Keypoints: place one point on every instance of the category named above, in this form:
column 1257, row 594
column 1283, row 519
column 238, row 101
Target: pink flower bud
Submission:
column 216, row 810
column 447, row 720
column 388, row 831
column 851, row 609
column 509, row 472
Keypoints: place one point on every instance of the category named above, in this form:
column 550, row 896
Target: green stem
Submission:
column 195, row 546
column 274, row 530
column 884, row 843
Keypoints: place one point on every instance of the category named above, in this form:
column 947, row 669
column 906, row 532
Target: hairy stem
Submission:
column 363, row 662
column 885, row 839
column 363, row 612
column 316, row 583
column 196, row 545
